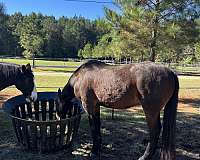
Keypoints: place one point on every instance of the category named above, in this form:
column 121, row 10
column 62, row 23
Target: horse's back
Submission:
column 124, row 86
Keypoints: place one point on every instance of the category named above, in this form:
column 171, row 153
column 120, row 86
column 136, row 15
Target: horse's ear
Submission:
column 59, row 92
column 28, row 67
column 23, row 68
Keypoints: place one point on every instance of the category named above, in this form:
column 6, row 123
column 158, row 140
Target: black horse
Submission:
column 123, row 86
column 20, row 76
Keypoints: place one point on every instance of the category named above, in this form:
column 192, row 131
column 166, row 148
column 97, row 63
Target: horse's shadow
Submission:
column 195, row 102
column 125, row 137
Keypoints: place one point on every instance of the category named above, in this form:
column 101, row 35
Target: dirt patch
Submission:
column 125, row 137
column 8, row 93
column 189, row 101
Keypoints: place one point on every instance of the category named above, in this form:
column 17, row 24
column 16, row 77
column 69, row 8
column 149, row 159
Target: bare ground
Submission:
column 125, row 137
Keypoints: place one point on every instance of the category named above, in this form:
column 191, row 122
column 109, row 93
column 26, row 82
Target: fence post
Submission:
column 112, row 113
column 33, row 59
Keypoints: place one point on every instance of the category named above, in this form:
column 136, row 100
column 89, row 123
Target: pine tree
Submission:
column 155, row 27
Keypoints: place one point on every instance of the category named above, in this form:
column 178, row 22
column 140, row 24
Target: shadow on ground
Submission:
column 190, row 101
column 125, row 137
column 58, row 70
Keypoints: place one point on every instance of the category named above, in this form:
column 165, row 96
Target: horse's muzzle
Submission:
column 32, row 97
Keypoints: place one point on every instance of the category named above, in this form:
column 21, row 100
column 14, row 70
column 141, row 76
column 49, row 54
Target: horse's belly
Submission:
column 119, row 99
column 121, row 104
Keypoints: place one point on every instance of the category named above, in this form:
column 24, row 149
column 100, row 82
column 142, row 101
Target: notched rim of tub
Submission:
column 9, row 105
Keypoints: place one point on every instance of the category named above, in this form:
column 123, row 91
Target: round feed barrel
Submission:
column 37, row 125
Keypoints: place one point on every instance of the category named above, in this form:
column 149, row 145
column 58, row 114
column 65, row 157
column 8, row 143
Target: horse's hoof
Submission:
column 94, row 156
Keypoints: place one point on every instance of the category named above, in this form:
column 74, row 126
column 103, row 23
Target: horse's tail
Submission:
column 169, row 125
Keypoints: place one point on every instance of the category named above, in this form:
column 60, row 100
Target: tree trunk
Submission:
column 153, row 45
column 33, row 60
column 154, row 32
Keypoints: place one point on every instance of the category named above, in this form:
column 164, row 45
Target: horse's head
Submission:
column 25, row 83
column 63, row 105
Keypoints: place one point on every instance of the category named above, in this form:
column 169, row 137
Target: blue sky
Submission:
column 56, row 8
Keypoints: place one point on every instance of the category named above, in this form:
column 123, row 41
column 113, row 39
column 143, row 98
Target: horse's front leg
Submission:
column 154, row 125
column 95, row 126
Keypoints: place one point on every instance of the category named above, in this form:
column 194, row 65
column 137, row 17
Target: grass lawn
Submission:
column 46, row 63
column 125, row 137
column 187, row 69
column 189, row 82
column 45, row 69
column 41, row 62
column 54, row 81
column 180, row 68
column 51, row 82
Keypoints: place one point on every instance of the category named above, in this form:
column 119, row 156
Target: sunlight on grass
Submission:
column 41, row 62
column 52, row 83
column 46, row 63
column 187, row 69
column 189, row 81
column 39, row 69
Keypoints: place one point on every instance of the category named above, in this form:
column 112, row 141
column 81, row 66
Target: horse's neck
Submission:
column 8, row 76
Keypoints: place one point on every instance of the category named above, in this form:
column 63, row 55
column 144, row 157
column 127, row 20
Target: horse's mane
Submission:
column 6, row 64
column 6, row 68
column 91, row 64
column 8, row 73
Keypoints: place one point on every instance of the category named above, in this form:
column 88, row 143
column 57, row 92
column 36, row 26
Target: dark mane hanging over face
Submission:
column 20, row 76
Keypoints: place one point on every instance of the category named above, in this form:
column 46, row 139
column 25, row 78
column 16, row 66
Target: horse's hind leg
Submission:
column 153, row 121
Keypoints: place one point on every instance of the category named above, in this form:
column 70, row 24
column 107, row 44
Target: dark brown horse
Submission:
column 150, row 85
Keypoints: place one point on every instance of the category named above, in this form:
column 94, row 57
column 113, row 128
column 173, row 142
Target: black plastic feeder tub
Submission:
column 37, row 125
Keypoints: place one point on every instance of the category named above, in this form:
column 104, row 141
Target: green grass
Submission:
column 187, row 69
column 46, row 63
column 60, row 80
column 49, row 81
column 54, row 69
column 41, row 62
column 180, row 68
column 189, row 82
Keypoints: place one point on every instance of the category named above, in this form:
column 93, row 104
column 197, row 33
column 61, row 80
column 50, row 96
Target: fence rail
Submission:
column 180, row 68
